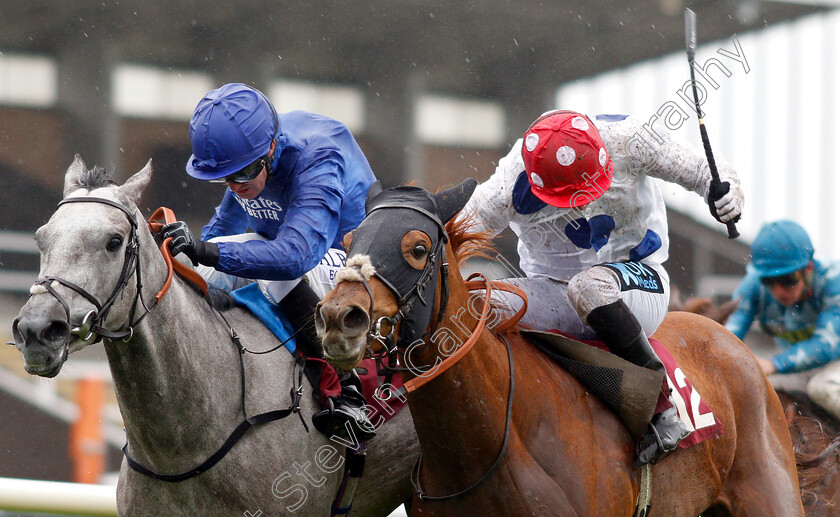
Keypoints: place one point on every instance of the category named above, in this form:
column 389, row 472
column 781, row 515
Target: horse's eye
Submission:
column 419, row 251
column 115, row 243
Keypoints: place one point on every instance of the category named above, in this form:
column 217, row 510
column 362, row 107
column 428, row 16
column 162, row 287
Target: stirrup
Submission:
column 653, row 447
column 344, row 412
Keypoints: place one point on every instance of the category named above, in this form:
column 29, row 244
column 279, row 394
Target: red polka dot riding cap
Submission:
column 565, row 159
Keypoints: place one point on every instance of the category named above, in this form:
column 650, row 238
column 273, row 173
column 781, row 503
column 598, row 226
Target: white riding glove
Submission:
column 728, row 202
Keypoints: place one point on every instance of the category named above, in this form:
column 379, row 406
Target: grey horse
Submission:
column 177, row 375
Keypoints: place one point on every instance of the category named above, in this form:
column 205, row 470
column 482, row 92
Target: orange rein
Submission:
column 473, row 285
column 161, row 217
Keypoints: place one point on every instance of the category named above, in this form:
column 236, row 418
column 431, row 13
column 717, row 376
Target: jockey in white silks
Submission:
column 593, row 232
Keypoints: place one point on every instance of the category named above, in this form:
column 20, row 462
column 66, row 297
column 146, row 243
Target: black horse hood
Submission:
column 393, row 212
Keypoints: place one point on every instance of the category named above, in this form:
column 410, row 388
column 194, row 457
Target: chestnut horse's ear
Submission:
column 374, row 189
column 346, row 241
column 452, row 200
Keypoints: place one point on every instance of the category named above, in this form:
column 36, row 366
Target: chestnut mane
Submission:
column 468, row 242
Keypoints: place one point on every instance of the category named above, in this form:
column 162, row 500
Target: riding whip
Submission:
column 690, row 46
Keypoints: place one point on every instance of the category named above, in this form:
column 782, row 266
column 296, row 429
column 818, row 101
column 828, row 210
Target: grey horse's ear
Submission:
column 452, row 200
column 133, row 188
column 374, row 189
column 74, row 172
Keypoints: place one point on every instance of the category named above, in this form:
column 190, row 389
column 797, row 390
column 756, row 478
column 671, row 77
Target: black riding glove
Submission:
column 183, row 241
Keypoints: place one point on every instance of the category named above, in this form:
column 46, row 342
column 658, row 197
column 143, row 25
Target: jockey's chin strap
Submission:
column 91, row 328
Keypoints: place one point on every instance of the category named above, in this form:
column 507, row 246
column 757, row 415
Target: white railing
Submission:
column 26, row 495
column 18, row 243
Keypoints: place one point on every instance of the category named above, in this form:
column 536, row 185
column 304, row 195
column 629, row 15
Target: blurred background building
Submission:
column 434, row 91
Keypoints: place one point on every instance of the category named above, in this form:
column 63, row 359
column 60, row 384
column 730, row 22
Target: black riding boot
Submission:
column 348, row 406
column 621, row 332
column 347, row 409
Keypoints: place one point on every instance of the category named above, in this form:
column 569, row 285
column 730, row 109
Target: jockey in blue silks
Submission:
column 298, row 182
column 796, row 299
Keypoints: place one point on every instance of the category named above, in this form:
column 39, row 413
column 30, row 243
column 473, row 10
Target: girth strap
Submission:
column 241, row 429
column 234, row 437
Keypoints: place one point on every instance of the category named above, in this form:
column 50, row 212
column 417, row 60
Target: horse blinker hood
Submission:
column 392, row 213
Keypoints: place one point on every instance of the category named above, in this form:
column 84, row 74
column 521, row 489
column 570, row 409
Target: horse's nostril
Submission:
column 57, row 331
column 18, row 337
column 355, row 318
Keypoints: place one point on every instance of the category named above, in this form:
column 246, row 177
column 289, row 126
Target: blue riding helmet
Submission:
column 781, row 247
column 231, row 127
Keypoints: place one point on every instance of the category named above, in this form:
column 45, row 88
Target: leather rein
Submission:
column 476, row 281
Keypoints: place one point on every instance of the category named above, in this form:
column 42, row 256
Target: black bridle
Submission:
column 436, row 266
column 91, row 327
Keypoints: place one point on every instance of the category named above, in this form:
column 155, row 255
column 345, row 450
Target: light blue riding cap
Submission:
column 231, row 127
column 781, row 247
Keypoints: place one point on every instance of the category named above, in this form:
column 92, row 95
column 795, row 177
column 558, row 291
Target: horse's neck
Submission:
column 176, row 379
column 460, row 415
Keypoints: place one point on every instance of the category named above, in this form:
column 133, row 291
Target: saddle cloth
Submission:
column 379, row 411
column 633, row 392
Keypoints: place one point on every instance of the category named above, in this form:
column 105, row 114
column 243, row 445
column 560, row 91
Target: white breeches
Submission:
column 321, row 278
column 557, row 305
column 821, row 384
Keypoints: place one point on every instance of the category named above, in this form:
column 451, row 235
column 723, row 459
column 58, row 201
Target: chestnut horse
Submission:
column 503, row 429
column 814, row 432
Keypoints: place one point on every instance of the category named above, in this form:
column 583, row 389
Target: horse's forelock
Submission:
column 97, row 177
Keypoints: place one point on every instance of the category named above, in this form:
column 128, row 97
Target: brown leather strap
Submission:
column 503, row 286
column 157, row 220
column 473, row 285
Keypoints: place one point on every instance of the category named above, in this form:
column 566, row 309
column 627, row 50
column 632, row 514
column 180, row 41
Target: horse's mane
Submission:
column 468, row 242
column 97, row 177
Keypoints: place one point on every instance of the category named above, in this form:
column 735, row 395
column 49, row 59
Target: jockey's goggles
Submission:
column 248, row 174
column 787, row 280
